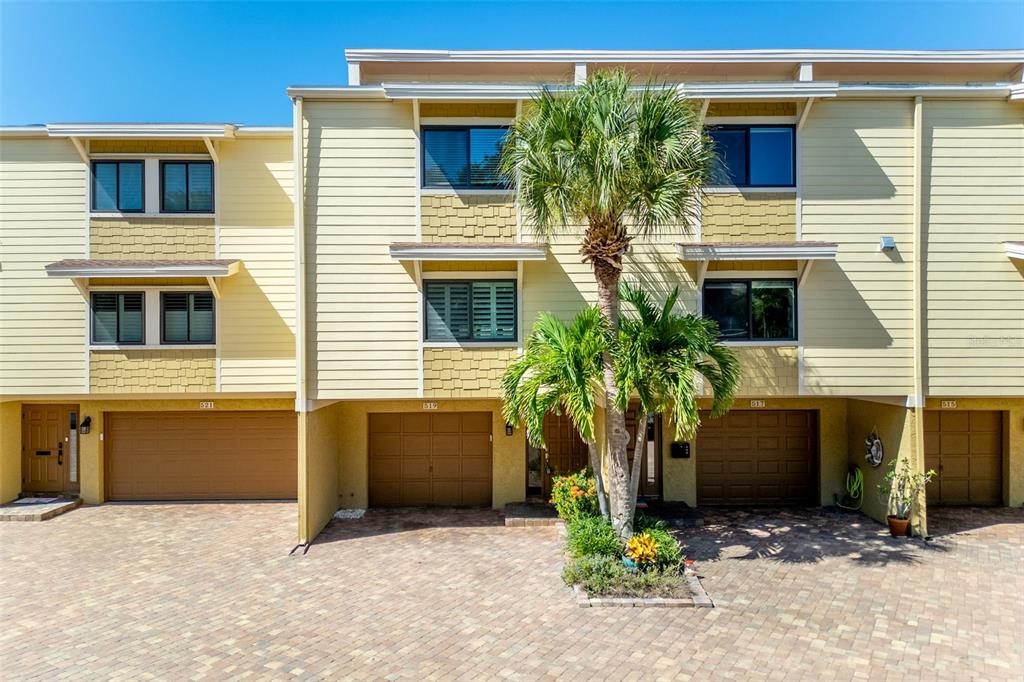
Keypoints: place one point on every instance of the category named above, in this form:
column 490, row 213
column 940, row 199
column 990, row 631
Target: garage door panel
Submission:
column 445, row 461
column 201, row 455
column 965, row 448
column 757, row 457
column 385, row 423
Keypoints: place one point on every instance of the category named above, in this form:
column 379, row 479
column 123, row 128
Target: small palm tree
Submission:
column 559, row 372
column 621, row 162
column 663, row 360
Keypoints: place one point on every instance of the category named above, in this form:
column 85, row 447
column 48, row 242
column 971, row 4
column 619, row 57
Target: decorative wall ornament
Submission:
column 874, row 452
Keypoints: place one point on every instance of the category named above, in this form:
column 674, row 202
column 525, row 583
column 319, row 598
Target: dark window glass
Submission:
column 118, row 186
column 728, row 304
column 462, row 157
column 754, row 156
column 771, row 156
column 470, row 311
column 186, row 186
column 752, row 310
column 187, row 317
column 731, row 146
column 118, row 318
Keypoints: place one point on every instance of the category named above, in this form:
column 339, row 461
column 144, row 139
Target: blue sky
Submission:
column 193, row 62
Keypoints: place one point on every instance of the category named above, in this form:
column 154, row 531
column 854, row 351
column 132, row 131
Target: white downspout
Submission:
column 918, row 306
column 300, row 255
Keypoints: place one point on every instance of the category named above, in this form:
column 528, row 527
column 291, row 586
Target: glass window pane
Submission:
column 174, row 187
column 730, row 144
column 445, row 161
column 727, row 304
column 771, row 156
column 175, row 322
column 104, row 318
column 129, row 323
column 447, row 311
column 104, row 186
column 200, row 187
column 484, row 154
column 130, row 186
column 773, row 305
column 201, row 319
column 494, row 310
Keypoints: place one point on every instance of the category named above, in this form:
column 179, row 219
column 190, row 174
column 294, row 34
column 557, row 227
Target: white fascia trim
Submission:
column 1014, row 250
column 154, row 346
column 1017, row 92
column 463, row 253
column 732, row 189
column 155, row 271
column 141, row 130
column 787, row 252
column 337, row 92
column 479, row 91
column 263, row 131
column 773, row 55
column 924, row 90
column 470, row 344
column 759, row 89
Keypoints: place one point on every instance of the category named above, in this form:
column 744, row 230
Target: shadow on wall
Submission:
column 837, row 314
column 247, row 304
column 891, row 424
column 547, row 287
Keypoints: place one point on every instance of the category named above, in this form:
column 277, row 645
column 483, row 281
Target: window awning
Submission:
column 468, row 251
column 1014, row 250
column 804, row 252
column 80, row 270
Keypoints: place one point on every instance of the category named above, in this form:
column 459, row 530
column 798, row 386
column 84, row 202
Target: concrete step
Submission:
column 37, row 508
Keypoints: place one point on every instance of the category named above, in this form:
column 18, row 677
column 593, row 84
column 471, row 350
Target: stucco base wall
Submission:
column 10, row 451
column 508, row 478
column 894, row 425
column 318, row 470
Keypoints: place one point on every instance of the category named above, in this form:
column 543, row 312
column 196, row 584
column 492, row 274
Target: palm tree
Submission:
column 559, row 372
column 664, row 359
column 620, row 162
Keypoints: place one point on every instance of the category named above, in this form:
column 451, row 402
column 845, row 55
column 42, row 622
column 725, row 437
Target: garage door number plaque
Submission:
column 758, row 403
column 206, row 405
column 429, row 406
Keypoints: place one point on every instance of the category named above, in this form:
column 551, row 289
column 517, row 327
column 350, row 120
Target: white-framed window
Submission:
column 152, row 317
column 148, row 185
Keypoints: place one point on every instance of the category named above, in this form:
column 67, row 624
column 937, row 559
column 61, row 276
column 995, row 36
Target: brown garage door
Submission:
column 420, row 458
column 751, row 457
column 200, row 455
column 965, row 448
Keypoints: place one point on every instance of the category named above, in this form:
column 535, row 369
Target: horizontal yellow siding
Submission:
column 257, row 306
column 465, row 372
column 974, row 201
column 469, row 266
column 856, row 174
column 467, row 217
column 156, row 370
column 752, row 265
column 42, row 220
column 736, row 217
column 151, row 238
column 361, row 195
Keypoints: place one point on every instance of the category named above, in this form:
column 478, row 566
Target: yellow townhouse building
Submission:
column 862, row 249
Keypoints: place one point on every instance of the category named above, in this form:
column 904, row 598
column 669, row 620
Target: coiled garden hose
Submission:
column 854, row 489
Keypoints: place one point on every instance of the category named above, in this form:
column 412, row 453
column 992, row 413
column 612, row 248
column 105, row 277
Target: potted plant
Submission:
column 901, row 486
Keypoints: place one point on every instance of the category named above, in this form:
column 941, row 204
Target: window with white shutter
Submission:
column 476, row 310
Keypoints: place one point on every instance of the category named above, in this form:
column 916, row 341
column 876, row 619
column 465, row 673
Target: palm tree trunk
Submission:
column 607, row 277
column 595, row 464
column 638, row 452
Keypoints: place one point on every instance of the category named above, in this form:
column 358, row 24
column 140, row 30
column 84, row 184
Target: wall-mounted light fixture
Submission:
column 508, row 429
column 83, row 427
column 886, row 243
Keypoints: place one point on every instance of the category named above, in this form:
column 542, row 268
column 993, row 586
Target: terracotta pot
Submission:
column 898, row 528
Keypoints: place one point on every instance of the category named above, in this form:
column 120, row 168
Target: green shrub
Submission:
column 592, row 536
column 669, row 553
column 574, row 495
column 643, row 523
column 607, row 576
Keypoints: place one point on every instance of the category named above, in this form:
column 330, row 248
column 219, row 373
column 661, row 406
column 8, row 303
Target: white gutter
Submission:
column 337, row 92
column 1014, row 250
column 759, row 89
column 299, row 201
column 723, row 56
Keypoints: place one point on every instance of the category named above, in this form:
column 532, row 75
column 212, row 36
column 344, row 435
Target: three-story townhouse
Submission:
column 147, row 342
column 861, row 250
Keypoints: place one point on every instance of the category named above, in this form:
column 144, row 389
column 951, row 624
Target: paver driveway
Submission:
column 207, row 591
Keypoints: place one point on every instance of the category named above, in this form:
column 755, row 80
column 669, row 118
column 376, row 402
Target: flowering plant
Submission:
column 574, row 495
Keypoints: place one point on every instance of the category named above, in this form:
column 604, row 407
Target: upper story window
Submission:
column 118, row 318
column 475, row 310
column 186, row 186
column 186, row 317
column 462, row 157
column 118, row 186
column 755, row 155
column 752, row 309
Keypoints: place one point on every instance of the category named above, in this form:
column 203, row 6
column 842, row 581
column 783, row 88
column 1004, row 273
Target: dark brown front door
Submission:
column 758, row 457
column 47, row 448
column 965, row 448
column 566, row 453
column 436, row 459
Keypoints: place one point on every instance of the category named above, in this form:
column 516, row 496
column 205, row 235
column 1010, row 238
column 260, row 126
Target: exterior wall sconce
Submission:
column 508, row 429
